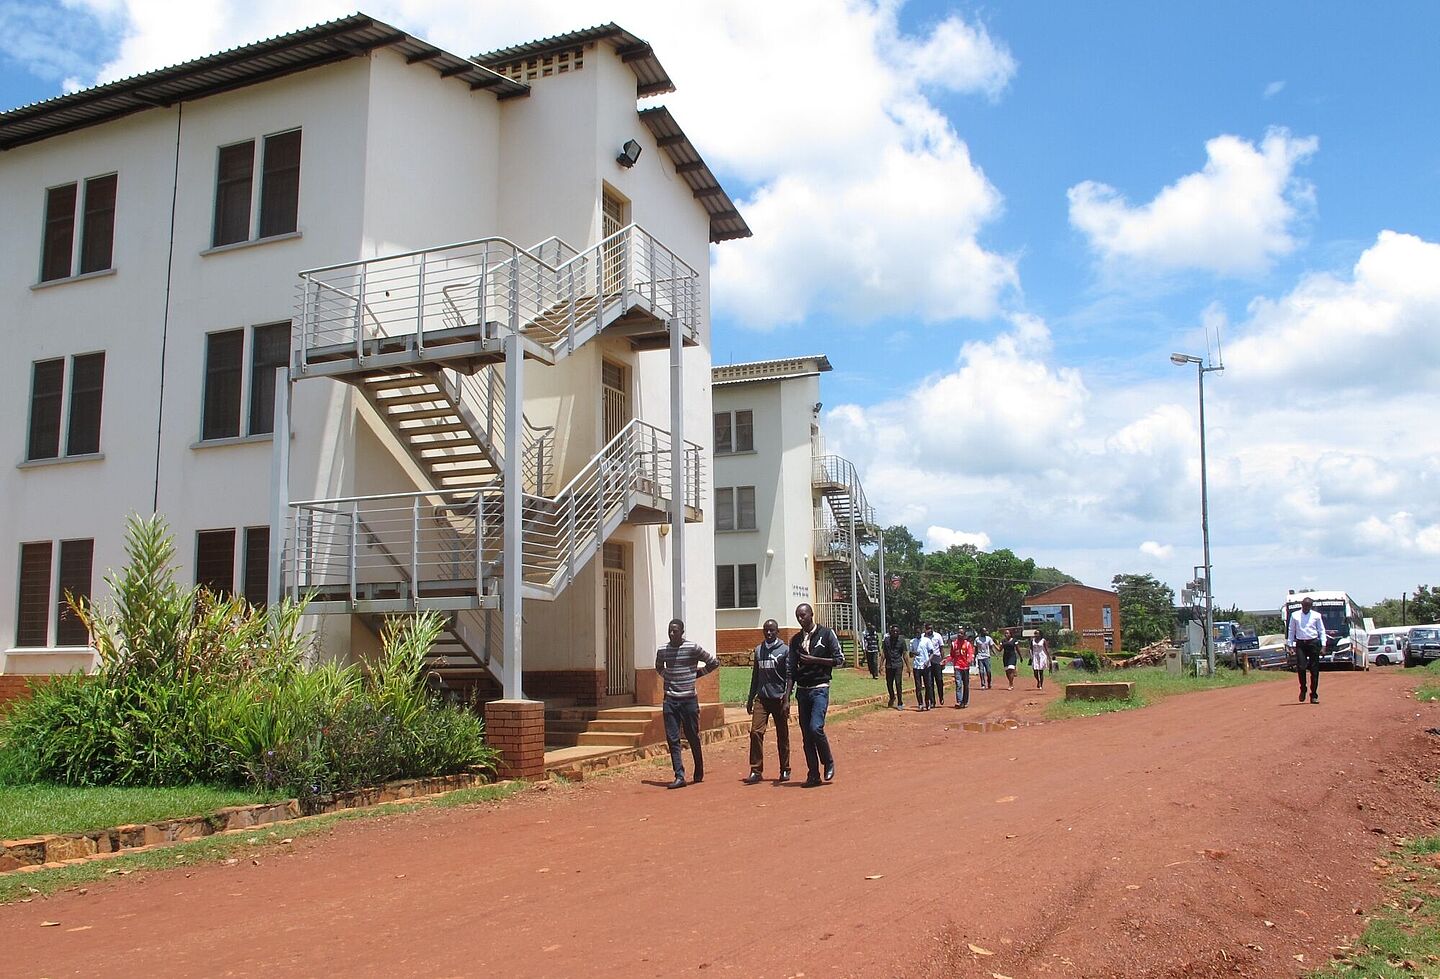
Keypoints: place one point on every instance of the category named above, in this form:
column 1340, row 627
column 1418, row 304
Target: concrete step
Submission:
column 616, row 739
column 619, row 727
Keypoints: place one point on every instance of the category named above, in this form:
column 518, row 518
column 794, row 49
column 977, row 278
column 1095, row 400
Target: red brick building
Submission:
column 1094, row 613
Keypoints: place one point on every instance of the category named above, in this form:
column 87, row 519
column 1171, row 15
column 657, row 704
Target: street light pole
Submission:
column 1201, row 370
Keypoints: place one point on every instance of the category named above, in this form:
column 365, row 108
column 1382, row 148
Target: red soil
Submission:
column 1150, row 843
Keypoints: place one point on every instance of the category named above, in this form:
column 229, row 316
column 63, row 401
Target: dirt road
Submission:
column 1157, row 842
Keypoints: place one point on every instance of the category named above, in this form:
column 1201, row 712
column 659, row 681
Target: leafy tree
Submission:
column 1425, row 605
column 1043, row 579
column 1147, row 609
column 1387, row 613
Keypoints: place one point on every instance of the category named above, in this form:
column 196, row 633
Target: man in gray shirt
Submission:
column 680, row 663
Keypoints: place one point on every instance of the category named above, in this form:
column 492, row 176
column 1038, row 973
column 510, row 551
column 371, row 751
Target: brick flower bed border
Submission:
column 61, row 849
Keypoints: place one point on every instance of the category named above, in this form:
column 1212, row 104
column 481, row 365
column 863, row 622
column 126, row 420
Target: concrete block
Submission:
column 1118, row 690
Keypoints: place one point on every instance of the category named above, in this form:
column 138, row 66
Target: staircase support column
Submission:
column 854, row 574
column 279, row 486
column 677, row 471
column 512, row 583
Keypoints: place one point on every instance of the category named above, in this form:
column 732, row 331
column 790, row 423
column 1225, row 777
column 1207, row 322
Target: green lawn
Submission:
column 1152, row 683
column 34, row 810
column 1402, row 938
column 845, row 685
column 1429, row 689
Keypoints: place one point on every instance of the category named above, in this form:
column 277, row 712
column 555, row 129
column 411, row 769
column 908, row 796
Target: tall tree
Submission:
column 1425, row 605
column 1147, row 609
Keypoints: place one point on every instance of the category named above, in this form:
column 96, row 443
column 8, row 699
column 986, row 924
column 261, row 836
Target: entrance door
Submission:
column 615, row 392
column 619, row 622
column 614, row 215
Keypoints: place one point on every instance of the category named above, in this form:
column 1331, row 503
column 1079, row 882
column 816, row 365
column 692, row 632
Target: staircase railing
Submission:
column 483, row 393
column 839, row 616
column 557, row 296
column 449, row 542
column 831, row 469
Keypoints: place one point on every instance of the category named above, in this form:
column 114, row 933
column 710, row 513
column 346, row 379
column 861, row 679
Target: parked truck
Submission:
column 1231, row 642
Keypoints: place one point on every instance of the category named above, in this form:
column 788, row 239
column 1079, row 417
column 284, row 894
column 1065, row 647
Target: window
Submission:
column 48, row 415
column 233, row 381
column 40, row 578
column 734, row 432
column 279, row 199
column 736, row 586
column 58, row 257
column 216, row 562
column 735, row 508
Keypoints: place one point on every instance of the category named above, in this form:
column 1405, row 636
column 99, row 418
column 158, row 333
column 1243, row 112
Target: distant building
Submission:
column 1094, row 613
column 791, row 520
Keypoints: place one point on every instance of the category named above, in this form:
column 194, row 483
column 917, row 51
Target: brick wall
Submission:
column 585, row 687
column 16, row 686
column 1087, row 606
column 516, row 729
column 734, row 646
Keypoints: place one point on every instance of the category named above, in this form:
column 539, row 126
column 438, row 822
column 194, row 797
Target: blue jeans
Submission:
column 984, row 666
column 812, row 703
column 683, row 714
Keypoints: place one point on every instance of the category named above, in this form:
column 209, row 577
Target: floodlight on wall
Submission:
column 629, row 153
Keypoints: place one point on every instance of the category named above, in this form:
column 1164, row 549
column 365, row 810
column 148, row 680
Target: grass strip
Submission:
column 1402, row 938
column 37, row 810
column 845, row 685
column 1152, row 684
column 37, row 884
column 1429, row 689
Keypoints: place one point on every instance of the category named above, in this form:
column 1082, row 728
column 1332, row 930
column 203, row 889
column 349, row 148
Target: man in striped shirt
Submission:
column 680, row 663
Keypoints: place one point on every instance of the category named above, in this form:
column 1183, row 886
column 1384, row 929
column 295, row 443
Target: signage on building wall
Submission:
column 799, row 591
column 1089, row 633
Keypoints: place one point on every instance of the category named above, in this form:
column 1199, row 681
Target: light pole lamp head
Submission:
column 1180, row 360
column 629, row 154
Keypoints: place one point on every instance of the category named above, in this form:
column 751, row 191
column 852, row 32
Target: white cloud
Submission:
column 1234, row 217
column 864, row 200
column 943, row 538
column 1157, row 550
column 1274, row 88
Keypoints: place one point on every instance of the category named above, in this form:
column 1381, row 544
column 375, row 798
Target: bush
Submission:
column 1090, row 659
column 1067, row 639
column 193, row 688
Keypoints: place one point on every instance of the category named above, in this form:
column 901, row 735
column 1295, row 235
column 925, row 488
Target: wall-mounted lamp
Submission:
column 629, row 153
column 664, row 529
column 769, row 552
column 818, row 406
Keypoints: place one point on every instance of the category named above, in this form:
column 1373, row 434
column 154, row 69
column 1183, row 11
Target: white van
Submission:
column 1386, row 646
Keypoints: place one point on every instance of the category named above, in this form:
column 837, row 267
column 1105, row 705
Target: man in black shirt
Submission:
column 872, row 652
column 814, row 653
column 770, row 683
column 895, row 648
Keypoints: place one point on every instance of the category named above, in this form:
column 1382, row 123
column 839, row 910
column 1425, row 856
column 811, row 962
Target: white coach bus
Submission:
column 1345, row 636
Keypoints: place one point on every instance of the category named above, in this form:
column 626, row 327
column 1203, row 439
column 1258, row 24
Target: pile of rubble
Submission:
column 1152, row 655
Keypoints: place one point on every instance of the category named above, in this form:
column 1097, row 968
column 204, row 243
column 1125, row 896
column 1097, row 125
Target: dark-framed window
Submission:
column 279, row 194
column 46, row 588
column 215, row 560
column 255, row 574
column 234, row 380
column 234, row 171
column 734, row 431
column 735, row 508
column 58, row 258
column 737, row 586
column 47, row 406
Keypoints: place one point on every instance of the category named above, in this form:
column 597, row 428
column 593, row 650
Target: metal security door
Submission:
column 619, row 631
column 612, row 221
column 615, row 392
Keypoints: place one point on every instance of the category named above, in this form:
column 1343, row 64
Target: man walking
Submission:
column 872, row 652
column 1306, row 636
column 814, row 653
column 984, row 649
column 962, row 654
column 769, row 697
column 937, row 664
column 680, row 663
column 920, row 668
column 895, row 648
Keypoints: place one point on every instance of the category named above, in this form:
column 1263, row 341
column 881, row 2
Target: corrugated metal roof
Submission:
column 650, row 76
column 725, row 220
column 285, row 54
column 804, row 365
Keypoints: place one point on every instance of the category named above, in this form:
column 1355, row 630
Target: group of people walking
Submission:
column 801, row 667
column 927, row 655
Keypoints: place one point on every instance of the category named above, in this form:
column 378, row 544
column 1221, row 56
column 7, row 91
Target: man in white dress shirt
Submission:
column 1306, row 635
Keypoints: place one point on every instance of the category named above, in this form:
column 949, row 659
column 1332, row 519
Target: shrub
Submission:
column 1090, row 659
column 193, row 688
column 1067, row 639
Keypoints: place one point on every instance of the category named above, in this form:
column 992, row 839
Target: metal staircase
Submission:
column 423, row 337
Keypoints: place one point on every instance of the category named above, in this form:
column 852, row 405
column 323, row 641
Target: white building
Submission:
column 154, row 228
column 791, row 520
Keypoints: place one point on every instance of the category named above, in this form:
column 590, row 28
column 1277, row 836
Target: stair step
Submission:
column 399, row 383
column 411, row 399
column 421, row 414
column 596, row 738
column 620, row 727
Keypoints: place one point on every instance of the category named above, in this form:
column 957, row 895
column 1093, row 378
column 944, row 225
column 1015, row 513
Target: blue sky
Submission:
column 998, row 220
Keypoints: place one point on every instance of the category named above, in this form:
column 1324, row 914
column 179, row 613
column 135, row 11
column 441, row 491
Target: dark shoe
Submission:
column 784, row 774
column 830, row 768
column 1314, row 698
column 699, row 776
column 812, row 782
column 1302, row 695
column 754, row 778
column 679, row 783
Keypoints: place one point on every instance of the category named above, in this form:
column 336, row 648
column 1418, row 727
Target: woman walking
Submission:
column 1010, row 656
column 1039, row 659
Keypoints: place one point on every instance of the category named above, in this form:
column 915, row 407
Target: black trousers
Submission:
column 1307, row 657
column 937, row 670
column 924, row 687
column 872, row 660
column 895, row 683
column 683, row 717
